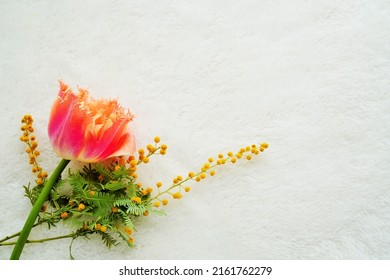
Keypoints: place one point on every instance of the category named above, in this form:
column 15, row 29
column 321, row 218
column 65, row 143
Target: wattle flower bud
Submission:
column 82, row 128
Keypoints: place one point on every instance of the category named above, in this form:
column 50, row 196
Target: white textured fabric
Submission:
column 309, row 77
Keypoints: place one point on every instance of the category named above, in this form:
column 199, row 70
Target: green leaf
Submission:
column 156, row 212
column 113, row 186
column 126, row 219
column 108, row 240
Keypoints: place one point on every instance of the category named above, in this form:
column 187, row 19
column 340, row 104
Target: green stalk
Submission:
column 71, row 235
column 35, row 210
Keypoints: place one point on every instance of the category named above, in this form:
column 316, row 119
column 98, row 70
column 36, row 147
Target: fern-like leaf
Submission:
column 108, row 240
column 126, row 219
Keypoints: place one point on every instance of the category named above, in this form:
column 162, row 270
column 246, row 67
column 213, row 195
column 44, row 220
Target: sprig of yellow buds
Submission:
column 29, row 138
column 207, row 168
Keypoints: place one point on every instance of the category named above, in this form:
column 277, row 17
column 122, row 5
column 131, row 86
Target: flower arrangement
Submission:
column 105, row 196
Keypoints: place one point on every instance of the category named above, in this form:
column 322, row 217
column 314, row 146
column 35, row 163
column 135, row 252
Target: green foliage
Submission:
column 108, row 240
column 97, row 200
column 126, row 219
column 28, row 192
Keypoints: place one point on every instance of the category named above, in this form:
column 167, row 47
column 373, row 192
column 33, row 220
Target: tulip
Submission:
column 82, row 128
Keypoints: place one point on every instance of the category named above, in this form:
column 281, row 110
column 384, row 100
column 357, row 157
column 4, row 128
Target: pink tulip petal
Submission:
column 89, row 130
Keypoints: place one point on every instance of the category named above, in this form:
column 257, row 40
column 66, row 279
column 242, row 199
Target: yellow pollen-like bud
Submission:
column 175, row 181
column 149, row 190
column 150, row 148
column 212, row 172
column 230, row 154
column 164, row 146
column 210, row 159
column 114, row 209
column 122, row 160
column 144, row 192
column 206, row 166
column 131, row 240
column 187, row 189
column 262, row 149
column 145, row 160
column 156, row 139
column 103, row 228
column 81, row 207
column 33, row 138
column 34, row 169
column 163, row 152
column 220, row 155
column 265, row 145
column 28, row 150
column 141, row 151
column 36, row 153
column 191, row 174
column 44, row 174
column 177, row 195
column 203, row 175
column 128, row 230
column 39, row 181
column 136, row 199
column 156, row 204
column 198, row 179
column 64, row 215
column 165, row 201
column 247, row 148
column 158, row 184
column 130, row 159
column 146, row 213
column 248, row 157
column 98, row 226
column 135, row 175
column 239, row 155
column 219, row 162
column 233, row 160
column 91, row 193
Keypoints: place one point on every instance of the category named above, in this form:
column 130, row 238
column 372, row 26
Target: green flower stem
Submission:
column 36, row 208
column 71, row 235
column 18, row 233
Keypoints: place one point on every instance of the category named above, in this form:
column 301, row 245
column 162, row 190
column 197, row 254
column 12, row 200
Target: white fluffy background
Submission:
column 309, row 77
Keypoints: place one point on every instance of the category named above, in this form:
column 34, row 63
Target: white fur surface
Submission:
column 309, row 77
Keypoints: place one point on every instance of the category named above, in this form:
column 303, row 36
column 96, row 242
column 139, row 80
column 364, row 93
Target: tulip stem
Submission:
column 36, row 208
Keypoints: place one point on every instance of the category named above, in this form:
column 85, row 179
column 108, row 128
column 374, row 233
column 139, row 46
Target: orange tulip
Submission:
column 82, row 128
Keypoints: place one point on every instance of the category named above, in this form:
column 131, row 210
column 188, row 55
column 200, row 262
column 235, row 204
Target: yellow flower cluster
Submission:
column 29, row 138
column 206, row 169
column 132, row 162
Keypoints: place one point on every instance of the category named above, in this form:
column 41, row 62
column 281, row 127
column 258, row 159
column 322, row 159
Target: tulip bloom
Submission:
column 82, row 128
